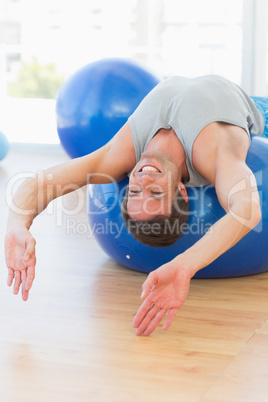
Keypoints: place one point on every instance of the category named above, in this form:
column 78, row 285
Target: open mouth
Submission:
column 149, row 168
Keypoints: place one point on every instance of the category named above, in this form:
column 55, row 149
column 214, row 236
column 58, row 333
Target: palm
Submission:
column 15, row 250
column 20, row 260
column 171, row 289
column 164, row 291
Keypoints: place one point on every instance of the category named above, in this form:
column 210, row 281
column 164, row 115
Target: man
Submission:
column 186, row 131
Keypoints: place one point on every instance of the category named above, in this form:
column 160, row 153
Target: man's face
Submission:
column 152, row 185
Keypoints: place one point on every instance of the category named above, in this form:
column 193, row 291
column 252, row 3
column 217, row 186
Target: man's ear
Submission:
column 183, row 191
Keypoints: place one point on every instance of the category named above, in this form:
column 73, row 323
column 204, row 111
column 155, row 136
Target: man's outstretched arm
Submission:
column 166, row 289
column 110, row 163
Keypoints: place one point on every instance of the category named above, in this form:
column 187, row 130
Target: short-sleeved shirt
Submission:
column 187, row 105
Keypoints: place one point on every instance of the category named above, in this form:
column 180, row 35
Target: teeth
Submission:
column 149, row 169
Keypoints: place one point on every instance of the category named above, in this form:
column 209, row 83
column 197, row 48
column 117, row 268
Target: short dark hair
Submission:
column 161, row 230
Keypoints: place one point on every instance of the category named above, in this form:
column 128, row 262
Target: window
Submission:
column 54, row 38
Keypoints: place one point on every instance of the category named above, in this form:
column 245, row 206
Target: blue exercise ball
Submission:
column 96, row 101
column 248, row 256
column 4, row 146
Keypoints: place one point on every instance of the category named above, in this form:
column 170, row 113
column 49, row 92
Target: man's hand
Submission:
column 165, row 290
column 20, row 260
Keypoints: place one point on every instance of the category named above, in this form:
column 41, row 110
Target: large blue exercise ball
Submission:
column 4, row 146
column 248, row 256
column 96, row 101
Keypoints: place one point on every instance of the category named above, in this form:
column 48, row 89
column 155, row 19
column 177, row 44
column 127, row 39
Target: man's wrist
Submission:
column 185, row 263
column 15, row 224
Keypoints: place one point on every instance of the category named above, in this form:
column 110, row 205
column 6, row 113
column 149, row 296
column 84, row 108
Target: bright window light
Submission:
column 43, row 42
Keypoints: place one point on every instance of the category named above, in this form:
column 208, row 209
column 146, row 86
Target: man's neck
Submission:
column 168, row 144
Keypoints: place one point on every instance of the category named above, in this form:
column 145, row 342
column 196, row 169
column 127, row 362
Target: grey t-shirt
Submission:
column 187, row 105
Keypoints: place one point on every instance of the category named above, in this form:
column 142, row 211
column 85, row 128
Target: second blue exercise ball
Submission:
column 96, row 101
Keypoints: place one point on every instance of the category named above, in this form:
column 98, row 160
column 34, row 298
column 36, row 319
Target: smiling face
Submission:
column 152, row 185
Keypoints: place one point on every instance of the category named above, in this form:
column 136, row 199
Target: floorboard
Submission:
column 73, row 339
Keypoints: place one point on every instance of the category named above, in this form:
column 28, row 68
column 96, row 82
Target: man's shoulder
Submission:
column 121, row 150
column 221, row 135
column 218, row 141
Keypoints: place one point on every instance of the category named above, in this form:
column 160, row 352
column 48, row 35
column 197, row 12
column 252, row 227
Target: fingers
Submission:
column 30, row 278
column 21, row 278
column 10, row 276
column 153, row 317
column 30, row 248
column 148, row 285
column 150, row 322
column 170, row 318
column 20, row 259
column 146, row 320
column 142, row 312
column 24, row 292
column 25, row 277
column 153, row 324
column 17, row 282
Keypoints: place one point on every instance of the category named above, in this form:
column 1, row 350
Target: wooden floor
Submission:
column 73, row 340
